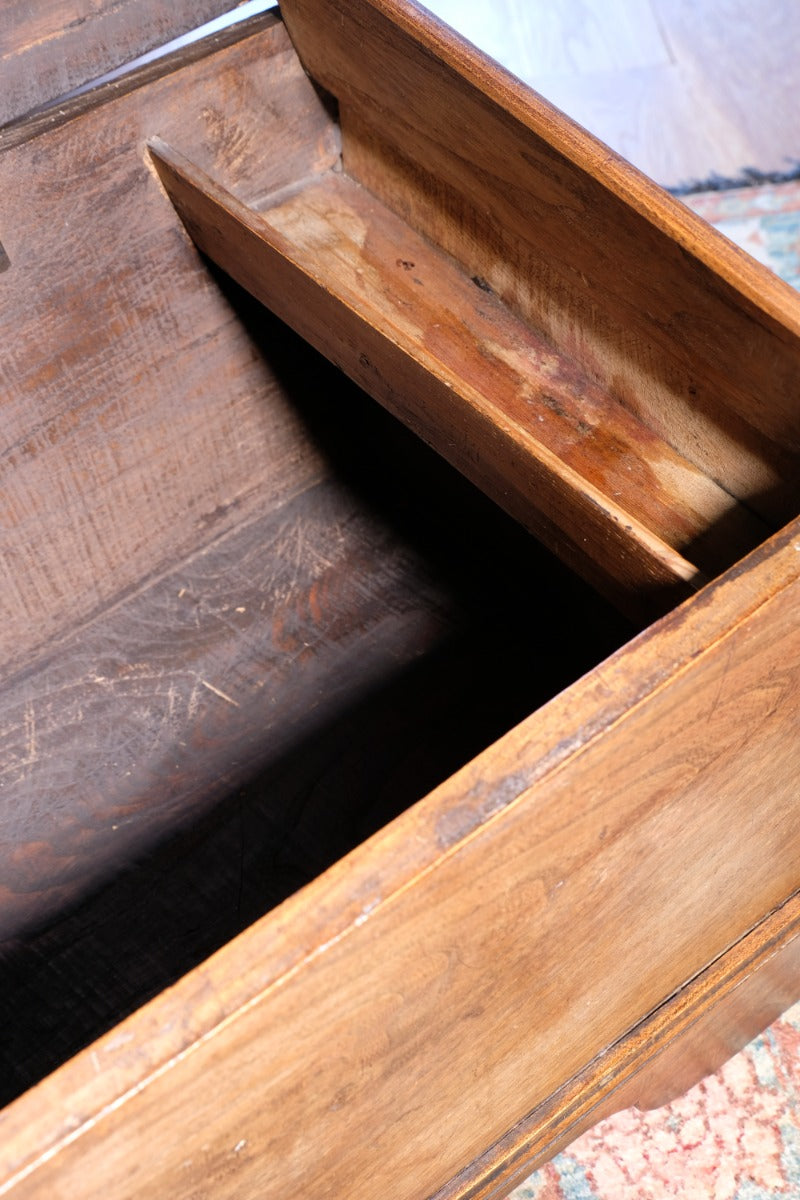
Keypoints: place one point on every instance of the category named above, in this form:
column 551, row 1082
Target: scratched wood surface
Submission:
column 52, row 46
column 586, row 248
column 187, row 760
column 145, row 424
column 419, row 958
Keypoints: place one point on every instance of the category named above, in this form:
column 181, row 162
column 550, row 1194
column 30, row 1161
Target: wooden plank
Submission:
column 162, row 707
column 140, row 72
column 698, row 340
column 148, row 421
column 469, row 960
column 519, row 420
column 53, row 46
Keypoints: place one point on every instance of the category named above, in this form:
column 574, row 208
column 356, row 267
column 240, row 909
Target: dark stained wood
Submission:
column 135, row 723
column 51, row 116
column 465, row 963
column 211, row 744
column 145, row 424
column 50, row 47
column 682, row 328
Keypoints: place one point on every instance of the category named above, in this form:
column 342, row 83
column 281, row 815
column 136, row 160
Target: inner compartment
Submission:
column 348, row 650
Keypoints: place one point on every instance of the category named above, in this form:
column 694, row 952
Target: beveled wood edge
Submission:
column 145, row 1046
column 53, row 115
column 618, row 1078
column 761, row 287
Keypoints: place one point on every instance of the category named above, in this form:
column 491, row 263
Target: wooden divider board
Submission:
column 434, row 356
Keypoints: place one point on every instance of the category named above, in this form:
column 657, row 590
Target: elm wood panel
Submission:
column 420, row 369
column 682, row 327
column 145, row 420
column 688, row 1037
column 165, row 705
column 466, row 962
column 327, row 780
column 52, row 46
column 730, row 1020
column 350, row 635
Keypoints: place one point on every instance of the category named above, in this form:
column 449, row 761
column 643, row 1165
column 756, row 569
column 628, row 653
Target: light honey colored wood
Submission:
column 676, row 323
column 687, row 1038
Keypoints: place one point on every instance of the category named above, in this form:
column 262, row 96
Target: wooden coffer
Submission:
column 399, row 749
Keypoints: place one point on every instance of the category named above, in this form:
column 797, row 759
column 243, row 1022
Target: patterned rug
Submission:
column 736, row 1136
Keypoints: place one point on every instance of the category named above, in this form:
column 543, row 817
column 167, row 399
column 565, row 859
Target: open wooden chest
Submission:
column 353, row 843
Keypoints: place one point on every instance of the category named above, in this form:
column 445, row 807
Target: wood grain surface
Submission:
column 214, row 623
column 52, row 46
column 418, row 959
column 675, row 322
column 145, row 423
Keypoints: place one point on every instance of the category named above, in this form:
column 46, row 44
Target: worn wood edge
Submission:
column 764, row 290
column 62, row 46
column 618, row 1077
column 266, row 55
column 215, row 219
column 540, row 395
column 55, row 114
column 143, row 1048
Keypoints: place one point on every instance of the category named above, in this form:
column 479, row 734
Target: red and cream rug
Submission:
column 736, row 1136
